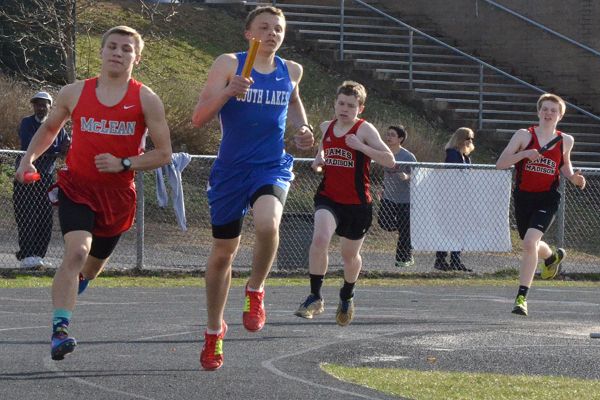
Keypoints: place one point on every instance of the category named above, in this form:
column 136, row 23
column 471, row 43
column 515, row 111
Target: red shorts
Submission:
column 114, row 207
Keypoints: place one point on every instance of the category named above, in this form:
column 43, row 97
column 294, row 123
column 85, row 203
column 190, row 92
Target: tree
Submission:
column 37, row 39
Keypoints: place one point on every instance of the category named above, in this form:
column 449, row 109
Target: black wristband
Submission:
column 309, row 126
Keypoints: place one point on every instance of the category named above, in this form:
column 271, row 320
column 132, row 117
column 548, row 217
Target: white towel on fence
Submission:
column 173, row 173
column 460, row 209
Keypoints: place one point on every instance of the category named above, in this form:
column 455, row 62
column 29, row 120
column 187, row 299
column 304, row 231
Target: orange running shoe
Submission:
column 211, row 357
column 254, row 311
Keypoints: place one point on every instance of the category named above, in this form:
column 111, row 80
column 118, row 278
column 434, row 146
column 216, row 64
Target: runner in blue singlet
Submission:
column 252, row 167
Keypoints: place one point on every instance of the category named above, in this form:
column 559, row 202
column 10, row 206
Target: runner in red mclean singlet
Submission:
column 97, row 129
column 343, row 199
column 96, row 193
column 536, row 195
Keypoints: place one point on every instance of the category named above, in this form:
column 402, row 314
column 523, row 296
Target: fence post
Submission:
column 342, row 30
column 411, row 35
column 480, row 113
column 139, row 220
column 560, row 234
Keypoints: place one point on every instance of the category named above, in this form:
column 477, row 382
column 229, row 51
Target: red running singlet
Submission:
column 541, row 175
column 346, row 171
column 97, row 129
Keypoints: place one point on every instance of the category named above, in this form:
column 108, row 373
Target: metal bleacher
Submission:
column 415, row 62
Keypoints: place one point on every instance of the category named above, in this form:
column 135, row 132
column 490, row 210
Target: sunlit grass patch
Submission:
column 425, row 385
column 115, row 280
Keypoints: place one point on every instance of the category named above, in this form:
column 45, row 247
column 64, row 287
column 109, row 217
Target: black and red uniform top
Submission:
column 346, row 171
column 541, row 175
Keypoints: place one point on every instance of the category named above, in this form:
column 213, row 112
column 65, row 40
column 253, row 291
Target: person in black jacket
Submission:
column 458, row 149
column 33, row 211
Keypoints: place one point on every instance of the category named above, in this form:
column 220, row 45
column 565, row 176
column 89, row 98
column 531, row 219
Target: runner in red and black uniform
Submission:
column 343, row 199
column 536, row 195
column 96, row 194
column 344, row 164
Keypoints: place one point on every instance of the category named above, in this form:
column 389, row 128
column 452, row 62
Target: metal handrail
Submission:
column 470, row 57
column 543, row 27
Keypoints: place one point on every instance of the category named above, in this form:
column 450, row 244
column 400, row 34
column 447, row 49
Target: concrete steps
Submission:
column 443, row 81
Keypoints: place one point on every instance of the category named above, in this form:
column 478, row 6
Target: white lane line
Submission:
column 24, row 327
column 383, row 358
column 123, row 303
column 569, row 290
column 268, row 364
column 14, row 299
column 162, row 336
column 51, row 366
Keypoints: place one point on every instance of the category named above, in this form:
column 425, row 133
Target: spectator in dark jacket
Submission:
column 458, row 149
column 33, row 211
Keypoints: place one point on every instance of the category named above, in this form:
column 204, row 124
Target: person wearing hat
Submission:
column 33, row 211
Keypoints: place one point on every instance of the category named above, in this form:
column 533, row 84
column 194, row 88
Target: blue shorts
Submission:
column 230, row 189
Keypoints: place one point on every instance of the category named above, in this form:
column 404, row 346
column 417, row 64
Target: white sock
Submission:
column 214, row 331
column 255, row 290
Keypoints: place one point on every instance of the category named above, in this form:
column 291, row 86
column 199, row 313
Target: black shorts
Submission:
column 233, row 229
column 535, row 210
column 353, row 220
column 80, row 217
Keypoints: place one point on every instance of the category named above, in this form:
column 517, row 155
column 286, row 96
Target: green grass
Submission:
column 195, row 280
column 426, row 385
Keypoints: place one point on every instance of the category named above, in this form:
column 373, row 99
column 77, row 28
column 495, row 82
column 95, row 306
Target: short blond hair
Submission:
column 553, row 98
column 352, row 88
column 261, row 10
column 127, row 31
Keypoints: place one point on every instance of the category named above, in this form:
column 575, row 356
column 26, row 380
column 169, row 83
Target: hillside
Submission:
column 181, row 43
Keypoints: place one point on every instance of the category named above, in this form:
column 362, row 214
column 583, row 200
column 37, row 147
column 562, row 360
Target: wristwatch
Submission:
column 126, row 163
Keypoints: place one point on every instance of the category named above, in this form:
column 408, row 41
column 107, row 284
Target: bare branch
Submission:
column 37, row 39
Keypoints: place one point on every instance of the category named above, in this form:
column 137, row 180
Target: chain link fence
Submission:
column 157, row 241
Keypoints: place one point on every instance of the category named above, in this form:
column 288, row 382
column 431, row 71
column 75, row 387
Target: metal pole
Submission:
column 411, row 35
column 342, row 30
column 470, row 57
column 480, row 117
column 560, row 234
column 139, row 220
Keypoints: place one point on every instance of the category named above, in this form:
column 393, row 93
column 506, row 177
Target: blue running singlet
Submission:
column 253, row 128
column 252, row 153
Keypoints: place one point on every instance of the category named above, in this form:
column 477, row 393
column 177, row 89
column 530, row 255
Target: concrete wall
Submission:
column 493, row 34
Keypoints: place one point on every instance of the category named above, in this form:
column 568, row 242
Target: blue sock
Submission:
column 83, row 284
column 61, row 318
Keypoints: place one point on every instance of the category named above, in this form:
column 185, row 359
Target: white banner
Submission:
column 460, row 209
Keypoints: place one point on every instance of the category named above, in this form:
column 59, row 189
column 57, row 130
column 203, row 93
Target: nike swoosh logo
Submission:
column 128, row 107
column 279, row 78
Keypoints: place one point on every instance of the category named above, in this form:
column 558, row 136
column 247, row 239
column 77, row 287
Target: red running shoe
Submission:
column 254, row 311
column 211, row 357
